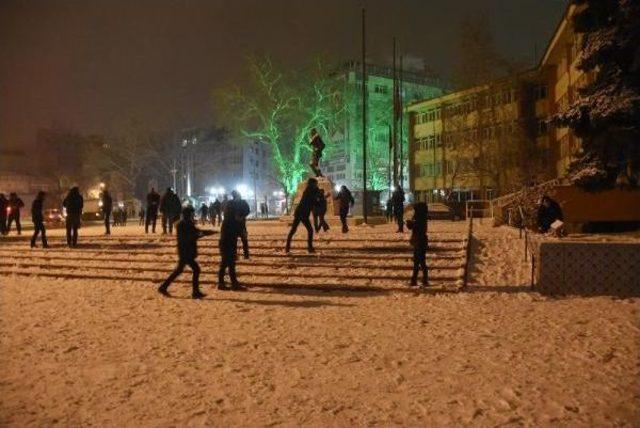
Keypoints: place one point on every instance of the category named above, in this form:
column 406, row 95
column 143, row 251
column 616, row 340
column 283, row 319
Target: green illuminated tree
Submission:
column 280, row 107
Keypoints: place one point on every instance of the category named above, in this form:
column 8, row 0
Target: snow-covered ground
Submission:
column 335, row 338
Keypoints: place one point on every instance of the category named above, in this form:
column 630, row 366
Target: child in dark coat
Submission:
column 418, row 227
column 188, row 235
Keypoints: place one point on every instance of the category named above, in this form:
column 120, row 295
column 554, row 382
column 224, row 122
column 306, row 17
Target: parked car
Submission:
column 53, row 217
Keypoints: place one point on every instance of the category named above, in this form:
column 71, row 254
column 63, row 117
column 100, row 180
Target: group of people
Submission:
column 233, row 227
column 10, row 213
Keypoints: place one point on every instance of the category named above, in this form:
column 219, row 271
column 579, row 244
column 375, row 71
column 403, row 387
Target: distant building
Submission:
column 491, row 139
column 343, row 159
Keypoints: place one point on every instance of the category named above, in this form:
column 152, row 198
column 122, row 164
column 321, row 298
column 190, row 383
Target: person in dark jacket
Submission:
column 230, row 231
column 388, row 212
column 418, row 227
column 74, row 204
column 107, row 208
column 204, row 213
column 14, row 205
column 141, row 217
column 215, row 211
column 170, row 207
column 153, row 202
column 548, row 212
column 317, row 145
column 38, row 220
column 302, row 212
column 4, row 203
column 345, row 201
column 397, row 200
column 319, row 211
column 187, row 239
column 241, row 210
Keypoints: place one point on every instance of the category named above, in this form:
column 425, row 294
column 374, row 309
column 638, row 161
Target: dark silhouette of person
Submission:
column 14, row 206
column 230, row 231
column 216, row 212
column 204, row 213
column 418, row 227
column 74, row 204
column 302, row 212
column 4, row 204
column 317, row 145
column 223, row 205
column 345, row 201
column 548, row 212
column 153, row 203
column 38, row 220
column 107, row 209
column 397, row 200
column 388, row 212
column 141, row 217
column 241, row 210
column 122, row 211
column 319, row 211
column 187, row 240
column 170, row 207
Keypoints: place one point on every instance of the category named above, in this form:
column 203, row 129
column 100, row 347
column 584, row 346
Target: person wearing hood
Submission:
column 187, row 241
column 38, row 220
column 73, row 204
column 14, row 204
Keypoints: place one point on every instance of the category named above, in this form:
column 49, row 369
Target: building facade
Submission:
column 494, row 138
column 343, row 159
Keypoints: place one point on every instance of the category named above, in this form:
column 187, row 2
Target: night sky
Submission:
column 89, row 65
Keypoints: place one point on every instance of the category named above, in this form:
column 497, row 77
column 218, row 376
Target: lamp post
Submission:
column 364, row 119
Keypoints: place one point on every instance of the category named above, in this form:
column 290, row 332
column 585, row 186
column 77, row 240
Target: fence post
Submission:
column 533, row 271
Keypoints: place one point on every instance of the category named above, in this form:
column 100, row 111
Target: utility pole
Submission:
column 394, row 140
column 401, row 124
column 173, row 172
column 364, row 120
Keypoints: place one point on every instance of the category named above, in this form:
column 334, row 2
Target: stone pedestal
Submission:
column 327, row 188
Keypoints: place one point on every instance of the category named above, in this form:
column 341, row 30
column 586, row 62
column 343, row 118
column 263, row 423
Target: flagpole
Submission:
column 394, row 117
column 401, row 124
column 364, row 120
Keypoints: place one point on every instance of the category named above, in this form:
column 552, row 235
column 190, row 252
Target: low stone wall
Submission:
column 588, row 268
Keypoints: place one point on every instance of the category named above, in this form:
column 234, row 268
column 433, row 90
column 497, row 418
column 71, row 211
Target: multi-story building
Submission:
column 561, row 76
column 343, row 161
column 494, row 138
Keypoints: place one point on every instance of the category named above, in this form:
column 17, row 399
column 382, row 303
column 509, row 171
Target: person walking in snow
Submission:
column 230, row 231
column 241, row 210
column 153, row 203
column 397, row 200
column 187, row 242
column 216, row 212
column 302, row 212
column 345, row 201
column 418, row 227
column 4, row 204
column 319, row 211
column 73, row 204
column 38, row 220
column 14, row 205
column 204, row 214
column 107, row 208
